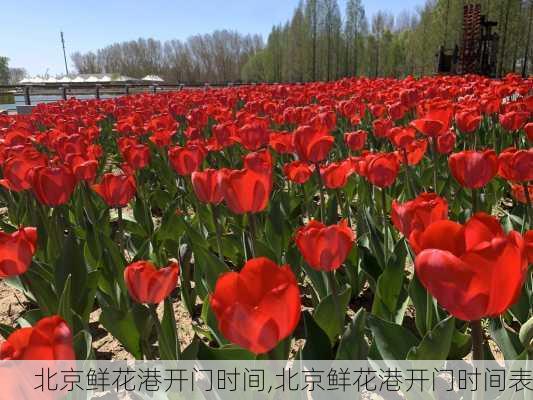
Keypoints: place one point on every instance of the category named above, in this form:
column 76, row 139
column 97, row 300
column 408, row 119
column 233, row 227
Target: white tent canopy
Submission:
column 153, row 78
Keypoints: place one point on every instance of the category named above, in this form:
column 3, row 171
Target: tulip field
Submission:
column 362, row 218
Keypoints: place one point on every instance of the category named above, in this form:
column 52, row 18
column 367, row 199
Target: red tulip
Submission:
column 355, row 140
column 245, row 190
column 16, row 251
column 116, row 190
column 312, row 144
column 415, row 151
column 281, row 142
column 84, row 169
column 514, row 120
column 52, row 186
column 206, row 186
column 414, row 216
column 446, row 142
column 529, row 131
column 528, row 241
column 473, row 270
column 323, row 247
column 298, row 171
column 149, row 285
column 257, row 307
column 137, row 156
column 382, row 169
column 435, row 123
column 516, row 165
column 519, row 193
column 49, row 339
column 473, row 169
column 186, row 160
column 335, row 175
column 402, row 137
column 382, row 127
column 468, row 121
column 17, row 167
column 253, row 136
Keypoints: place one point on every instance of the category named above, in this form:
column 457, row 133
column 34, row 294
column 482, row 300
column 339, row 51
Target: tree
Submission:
column 4, row 70
column 356, row 27
column 16, row 75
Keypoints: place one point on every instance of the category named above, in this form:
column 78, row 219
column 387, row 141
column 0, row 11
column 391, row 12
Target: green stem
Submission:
column 410, row 185
column 155, row 317
column 251, row 220
column 321, row 187
column 385, row 227
column 475, row 205
column 477, row 340
column 120, row 230
column 429, row 312
column 335, row 297
column 218, row 231
column 435, row 166
column 527, row 215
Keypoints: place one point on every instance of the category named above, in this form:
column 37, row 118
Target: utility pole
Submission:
column 64, row 52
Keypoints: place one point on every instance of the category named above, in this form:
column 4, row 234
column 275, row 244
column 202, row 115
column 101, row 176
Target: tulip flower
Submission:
column 257, row 307
column 355, row 140
column 312, row 144
column 382, row 169
column 473, row 169
column 434, row 123
column 519, row 193
column 446, row 142
column 206, row 186
column 245, row 190
column 281, row 142
column 116, row 189
column 325, row 248
column 514, row 120
column 149, row 285
column 186, row 160
column 468, row 121
column 84, row 169
column 335, row 175
column 137, row 156
column 49, row 339
column 298, row 171
column 17, row 167
column 52, row 186
column 462, row 266
column 528, row 241
column 528, row 128
column 413, row 217
column 16, row 251
column 253, row 136
column 516, row 165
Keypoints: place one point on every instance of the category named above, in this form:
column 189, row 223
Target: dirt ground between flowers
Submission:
column 13, row 304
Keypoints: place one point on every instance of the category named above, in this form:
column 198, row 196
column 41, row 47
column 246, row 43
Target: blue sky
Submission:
column 29, row 31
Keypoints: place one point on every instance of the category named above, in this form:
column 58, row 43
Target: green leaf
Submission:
column 83, row 341
column 168, row 341
column 353, row 344
column 209, row 264
column 505, row 338
column 461, row 345
column 6, row 330
column 526, row 334
column 418, row 296
column 392, row 341
column 228, row 352
column 325, row 313
column 122, row 326
column 435, row 345
column 64, row 309
column 317, row 343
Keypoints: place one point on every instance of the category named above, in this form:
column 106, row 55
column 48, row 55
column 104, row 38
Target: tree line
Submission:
column 321, row 43
column 216, row 57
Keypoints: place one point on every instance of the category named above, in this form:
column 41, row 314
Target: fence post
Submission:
column 64, row 92
column 127, row 89
column 97, row 92
column 27, row 96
